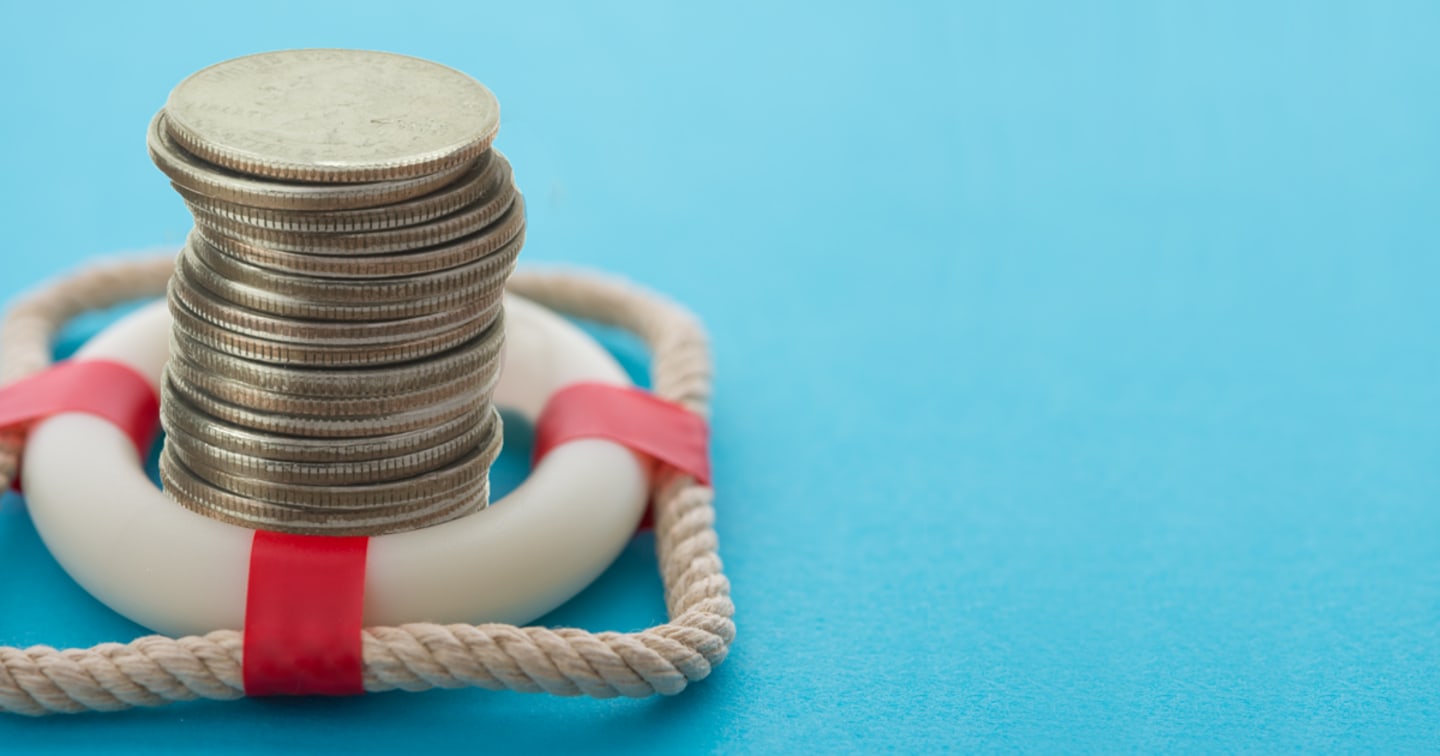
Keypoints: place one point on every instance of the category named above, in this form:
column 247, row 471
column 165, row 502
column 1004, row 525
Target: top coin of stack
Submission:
column 338, row 307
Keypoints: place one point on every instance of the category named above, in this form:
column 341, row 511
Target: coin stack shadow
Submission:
column 336, row 345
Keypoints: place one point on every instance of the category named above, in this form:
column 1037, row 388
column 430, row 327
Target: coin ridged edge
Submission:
column 395, row 467
column 508, row 230
column 488, row 175
column 189, row 171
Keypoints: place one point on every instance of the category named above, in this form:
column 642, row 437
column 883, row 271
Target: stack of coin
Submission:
column 338, row 307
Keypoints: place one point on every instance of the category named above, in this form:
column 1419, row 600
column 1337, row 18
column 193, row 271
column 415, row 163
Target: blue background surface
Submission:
column 1078, row 379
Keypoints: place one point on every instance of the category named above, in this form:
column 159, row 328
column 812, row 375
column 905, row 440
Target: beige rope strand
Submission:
column 154, row 671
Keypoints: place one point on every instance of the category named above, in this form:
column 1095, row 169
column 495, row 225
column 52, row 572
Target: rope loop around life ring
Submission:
column 157, row 670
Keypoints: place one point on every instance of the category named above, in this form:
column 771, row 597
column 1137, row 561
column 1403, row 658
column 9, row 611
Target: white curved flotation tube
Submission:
column 181, row 573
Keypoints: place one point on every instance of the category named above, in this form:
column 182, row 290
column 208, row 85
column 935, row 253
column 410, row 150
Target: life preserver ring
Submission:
column 180, row 573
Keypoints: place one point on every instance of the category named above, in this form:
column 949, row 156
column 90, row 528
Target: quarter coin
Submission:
column 487, row 176
column 335, row 116
column 188, row 172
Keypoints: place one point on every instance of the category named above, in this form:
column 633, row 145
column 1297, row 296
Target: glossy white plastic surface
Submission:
column 181, row 573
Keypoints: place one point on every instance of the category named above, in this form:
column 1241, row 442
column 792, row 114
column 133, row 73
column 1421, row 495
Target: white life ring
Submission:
column 181, row 573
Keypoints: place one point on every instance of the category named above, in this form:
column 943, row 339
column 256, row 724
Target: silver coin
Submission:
column 341, row 116
column 292, row 300
column 489, row 175
column 466, row 221
column 489, row 272
column 179, row 417
column 188, row 172
column 318, row 333
column 469, row 361
column 483, row 177
column 346, row 406
column 464, row 474
column 431, row 334
column 197, row 455
column 324, row 427
column 411, row 513
column 311, row 355
column 365, row 403
column 507, row 230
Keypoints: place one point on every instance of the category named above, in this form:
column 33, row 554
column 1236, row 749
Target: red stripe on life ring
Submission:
column 631, row 417
column 303, row 614
column 109, row 390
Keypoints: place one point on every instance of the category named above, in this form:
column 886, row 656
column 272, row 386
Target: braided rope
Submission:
column 154, row 671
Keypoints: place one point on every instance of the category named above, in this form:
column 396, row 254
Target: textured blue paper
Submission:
column 1078, row 382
